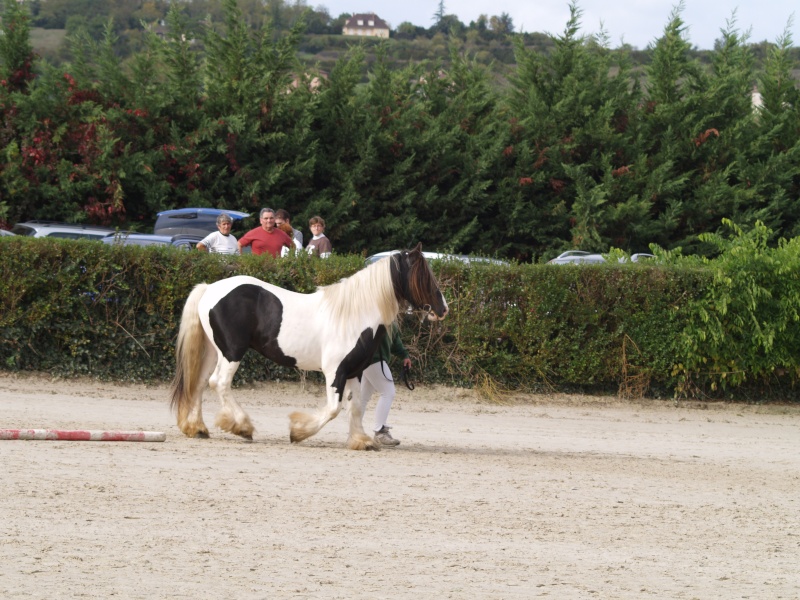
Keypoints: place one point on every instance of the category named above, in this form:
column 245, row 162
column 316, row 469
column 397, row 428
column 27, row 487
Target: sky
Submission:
column 634, row 22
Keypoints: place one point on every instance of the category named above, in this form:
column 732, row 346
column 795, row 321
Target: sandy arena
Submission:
column 540, row 497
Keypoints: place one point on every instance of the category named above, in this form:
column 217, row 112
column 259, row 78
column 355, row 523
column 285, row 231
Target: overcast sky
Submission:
column 635, row 22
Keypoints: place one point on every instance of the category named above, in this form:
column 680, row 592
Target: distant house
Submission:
column 369, row 25
column 756, row 99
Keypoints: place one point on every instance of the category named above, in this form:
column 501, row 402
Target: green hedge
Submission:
column 75, row 307
column 556, row 327
column 684, row 326
column 86, row 308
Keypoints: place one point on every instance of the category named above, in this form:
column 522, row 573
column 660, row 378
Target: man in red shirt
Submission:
column 266, row 238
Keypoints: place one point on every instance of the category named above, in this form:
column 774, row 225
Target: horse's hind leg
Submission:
column 191, row 423
column 231, row 417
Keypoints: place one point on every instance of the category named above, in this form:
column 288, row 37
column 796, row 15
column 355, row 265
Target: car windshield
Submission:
column 22, row 230
column 69, row 235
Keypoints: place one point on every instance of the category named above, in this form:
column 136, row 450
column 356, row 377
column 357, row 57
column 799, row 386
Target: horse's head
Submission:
column 415, row 284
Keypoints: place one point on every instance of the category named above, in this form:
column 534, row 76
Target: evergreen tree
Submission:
column 16, row 53
column 568, row 149
column 254, row 139
column 770, row 165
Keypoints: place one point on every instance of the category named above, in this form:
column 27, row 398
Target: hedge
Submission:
column 681, row 326
column 76, row 308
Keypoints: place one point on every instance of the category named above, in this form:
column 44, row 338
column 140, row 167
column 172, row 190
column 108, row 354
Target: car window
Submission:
column 140, row 242
column 180, row 224
column 70, row 235
column 64, row 234
column 22, row 230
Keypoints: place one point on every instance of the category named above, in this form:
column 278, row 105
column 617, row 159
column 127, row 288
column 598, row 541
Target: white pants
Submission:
column 378, row 378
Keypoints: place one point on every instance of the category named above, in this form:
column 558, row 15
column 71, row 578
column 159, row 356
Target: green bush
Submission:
column 745, row 328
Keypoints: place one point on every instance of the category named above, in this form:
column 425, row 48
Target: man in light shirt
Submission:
column 222, row 241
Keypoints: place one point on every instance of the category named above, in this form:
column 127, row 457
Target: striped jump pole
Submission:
column 82, row 435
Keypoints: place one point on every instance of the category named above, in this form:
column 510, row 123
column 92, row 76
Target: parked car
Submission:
column 72, row 231
column 574, row 257
column 131, row 238
column 5, row 232
column 438, row 256
column 193, row 221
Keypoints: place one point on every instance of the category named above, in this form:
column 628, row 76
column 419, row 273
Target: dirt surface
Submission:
column 542, row 496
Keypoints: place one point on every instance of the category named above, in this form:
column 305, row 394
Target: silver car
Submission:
column 129, row 238
column 439, row 256
column 71, row 231
column 579, row 257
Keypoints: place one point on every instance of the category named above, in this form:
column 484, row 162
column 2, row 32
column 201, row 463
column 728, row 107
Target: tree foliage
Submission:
column 580, row 149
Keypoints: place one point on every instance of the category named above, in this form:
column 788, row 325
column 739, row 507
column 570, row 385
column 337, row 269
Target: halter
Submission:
column 426, row 310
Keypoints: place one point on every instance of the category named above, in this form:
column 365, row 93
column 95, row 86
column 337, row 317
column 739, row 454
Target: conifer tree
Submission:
column 771, row 163
column 569, row 149
column 16, row 52
column 254, row 139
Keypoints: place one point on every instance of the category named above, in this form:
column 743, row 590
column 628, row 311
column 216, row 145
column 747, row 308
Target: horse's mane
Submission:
column 370, row 286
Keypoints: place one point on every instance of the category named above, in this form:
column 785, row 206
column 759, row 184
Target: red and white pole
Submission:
column 85, row 435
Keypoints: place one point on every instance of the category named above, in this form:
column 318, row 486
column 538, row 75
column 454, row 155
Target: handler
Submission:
column 378, row 378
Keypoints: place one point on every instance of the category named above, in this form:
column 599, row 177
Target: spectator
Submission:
column 266, row 238
column 319, row 245
column 287, row 229
column 282, row 217
column 222, row 241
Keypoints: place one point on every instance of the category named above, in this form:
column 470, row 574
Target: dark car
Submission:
column 193, row 221
column 129, row 238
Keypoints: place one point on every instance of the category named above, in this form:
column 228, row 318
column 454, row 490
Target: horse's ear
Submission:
column 418, row 248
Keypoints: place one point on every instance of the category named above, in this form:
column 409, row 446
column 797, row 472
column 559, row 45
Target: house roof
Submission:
column 365, row 17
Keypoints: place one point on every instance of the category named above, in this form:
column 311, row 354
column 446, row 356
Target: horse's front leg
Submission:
column 358, row 439
column 303, row 425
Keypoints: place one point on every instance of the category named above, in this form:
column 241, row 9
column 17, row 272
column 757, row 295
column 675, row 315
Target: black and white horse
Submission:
column 334, row 330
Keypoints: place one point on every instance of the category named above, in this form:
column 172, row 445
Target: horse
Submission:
column 335, row 330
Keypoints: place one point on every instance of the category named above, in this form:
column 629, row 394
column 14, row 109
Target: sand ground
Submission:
column 538, row 497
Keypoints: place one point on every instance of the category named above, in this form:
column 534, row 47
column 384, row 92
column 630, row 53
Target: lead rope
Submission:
column 406, row 376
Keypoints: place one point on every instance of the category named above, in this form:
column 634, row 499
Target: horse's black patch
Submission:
column 249, row 317
column 358, row 358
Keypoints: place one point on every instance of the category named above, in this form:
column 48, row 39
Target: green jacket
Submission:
column 390, row 344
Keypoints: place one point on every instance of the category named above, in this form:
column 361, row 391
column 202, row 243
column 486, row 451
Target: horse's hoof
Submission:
column 247, row 436
column 202, row 435
column 363, row 443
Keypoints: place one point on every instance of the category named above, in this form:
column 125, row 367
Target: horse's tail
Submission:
column 189, row 351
